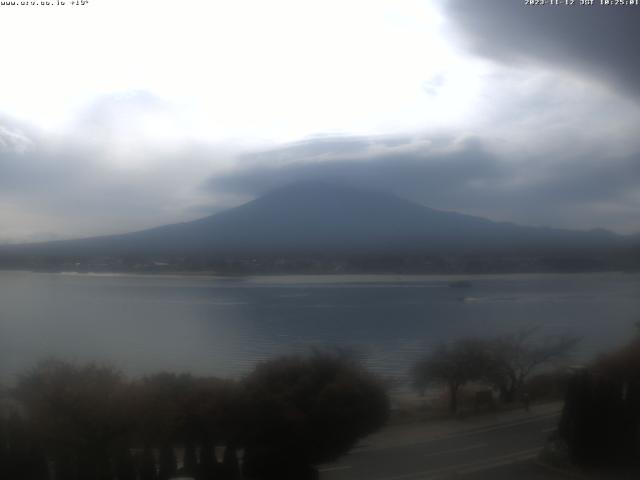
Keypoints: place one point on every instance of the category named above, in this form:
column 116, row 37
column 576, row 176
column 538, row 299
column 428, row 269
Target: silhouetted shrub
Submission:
column 230, row 469
column 147, row 468
column 124, row 465
column 550, row 385
column 305, row 410
column 22, row 457
column 183, row 409
column 289, row 414
column 601, row 418
column 167, row 464
column 209, row 467
column 79, row 414
column 190, row 462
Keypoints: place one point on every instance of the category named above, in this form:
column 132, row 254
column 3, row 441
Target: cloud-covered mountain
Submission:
column 317, row 218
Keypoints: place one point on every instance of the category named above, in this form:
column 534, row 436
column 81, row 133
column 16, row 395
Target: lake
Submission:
column 223, row 326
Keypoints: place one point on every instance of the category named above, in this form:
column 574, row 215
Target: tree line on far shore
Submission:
column 76, row 422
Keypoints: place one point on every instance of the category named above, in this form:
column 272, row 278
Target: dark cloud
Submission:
column 580, row 192
column 409, row 167
column 600, row 41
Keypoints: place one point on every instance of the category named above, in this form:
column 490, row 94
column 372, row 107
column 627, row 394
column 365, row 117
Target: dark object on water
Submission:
column 460, row 284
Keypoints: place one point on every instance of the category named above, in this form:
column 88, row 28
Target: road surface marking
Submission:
column 469, row 467
column 564, row 473
column 500, row 426
column 446, row 436
column 333, row 469
column 434, row 454
column 456, row 450
column 519, row 457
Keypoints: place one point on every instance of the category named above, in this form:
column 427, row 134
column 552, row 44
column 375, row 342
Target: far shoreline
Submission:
column 326, row 277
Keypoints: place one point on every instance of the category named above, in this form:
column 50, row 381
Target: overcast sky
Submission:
column 125, row 114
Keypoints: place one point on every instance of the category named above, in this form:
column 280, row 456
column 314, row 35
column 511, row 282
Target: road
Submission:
column 506, row 449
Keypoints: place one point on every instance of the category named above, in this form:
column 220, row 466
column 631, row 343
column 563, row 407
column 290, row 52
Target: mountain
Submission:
column 314, row 217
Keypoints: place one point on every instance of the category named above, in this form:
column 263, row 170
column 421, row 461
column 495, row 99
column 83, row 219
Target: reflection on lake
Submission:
column 222, row 326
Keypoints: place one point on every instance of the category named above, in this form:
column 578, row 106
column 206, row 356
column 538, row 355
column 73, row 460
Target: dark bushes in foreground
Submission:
column 601, row 418
column 303, row 411
column 74, row 422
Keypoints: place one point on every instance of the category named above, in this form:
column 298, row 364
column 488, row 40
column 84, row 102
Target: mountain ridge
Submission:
column 324, row 217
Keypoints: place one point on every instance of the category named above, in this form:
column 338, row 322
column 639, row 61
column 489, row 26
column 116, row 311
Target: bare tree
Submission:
column 452, row 365
column 514, row 357
column 505, row 362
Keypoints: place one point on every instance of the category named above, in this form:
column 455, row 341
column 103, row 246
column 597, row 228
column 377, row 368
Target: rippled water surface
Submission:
column 222, row 326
